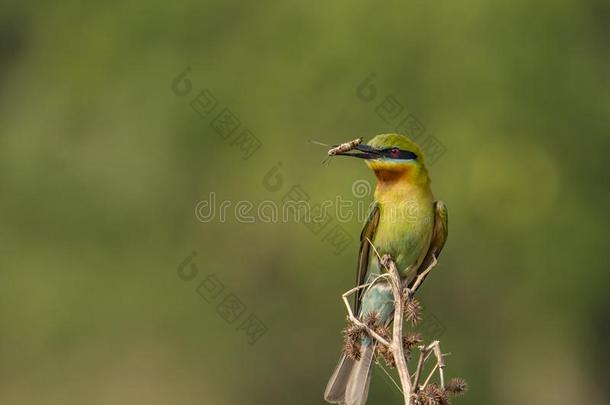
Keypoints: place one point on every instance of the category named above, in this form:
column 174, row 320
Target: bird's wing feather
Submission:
column 439, row 236
column 368, row 232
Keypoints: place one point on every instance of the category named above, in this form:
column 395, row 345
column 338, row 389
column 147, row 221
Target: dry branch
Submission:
column 414, row 393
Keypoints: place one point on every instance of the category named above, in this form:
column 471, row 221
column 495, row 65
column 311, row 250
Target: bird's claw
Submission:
column 386, row 260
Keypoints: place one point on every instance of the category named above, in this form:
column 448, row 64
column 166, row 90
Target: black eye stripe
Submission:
column 403, row 154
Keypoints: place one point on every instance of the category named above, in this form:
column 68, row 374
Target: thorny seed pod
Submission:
column 371, row 319
column 432, row 394
column 385, row 353
column 353, row 333
column 413, row 311
column 457, row 386
column 352, row 350
column 411, row 340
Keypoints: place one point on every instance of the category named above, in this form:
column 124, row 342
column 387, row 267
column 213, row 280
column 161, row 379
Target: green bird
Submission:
column 406, row 223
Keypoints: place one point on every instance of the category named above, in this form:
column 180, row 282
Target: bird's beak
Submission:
column 362, row 151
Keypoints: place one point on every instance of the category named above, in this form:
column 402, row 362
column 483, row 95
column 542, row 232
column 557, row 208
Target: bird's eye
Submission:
column 395, row 152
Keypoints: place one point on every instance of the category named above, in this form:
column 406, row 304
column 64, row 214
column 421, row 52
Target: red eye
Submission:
column 395, row 152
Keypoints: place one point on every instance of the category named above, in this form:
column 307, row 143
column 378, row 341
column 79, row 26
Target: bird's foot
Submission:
column 386, row 260
column 407, row 294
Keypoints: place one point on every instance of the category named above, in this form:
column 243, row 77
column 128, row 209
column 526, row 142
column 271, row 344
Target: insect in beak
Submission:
column 361, row 151
column 352, row 148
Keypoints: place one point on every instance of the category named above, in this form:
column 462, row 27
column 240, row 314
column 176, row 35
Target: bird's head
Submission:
column 393, row 157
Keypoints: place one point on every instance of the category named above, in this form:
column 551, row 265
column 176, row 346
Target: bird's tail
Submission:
column 349, row 383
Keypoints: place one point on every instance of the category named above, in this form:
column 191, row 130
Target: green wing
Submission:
column 439, row 236
column 368, row 233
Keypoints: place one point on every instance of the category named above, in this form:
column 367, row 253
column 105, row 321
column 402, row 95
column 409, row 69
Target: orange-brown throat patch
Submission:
column 397, row 182
column 388, row 177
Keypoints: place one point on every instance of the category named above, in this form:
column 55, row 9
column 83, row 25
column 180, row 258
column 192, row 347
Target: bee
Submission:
column 340, row 148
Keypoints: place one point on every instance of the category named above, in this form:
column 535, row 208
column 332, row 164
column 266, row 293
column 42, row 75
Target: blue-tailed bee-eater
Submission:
column 406, row 223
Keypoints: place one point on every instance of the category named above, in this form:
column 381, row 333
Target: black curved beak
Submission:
column 363, row 152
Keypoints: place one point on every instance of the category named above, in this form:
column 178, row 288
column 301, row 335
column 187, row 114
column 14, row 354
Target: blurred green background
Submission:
column 102, row 166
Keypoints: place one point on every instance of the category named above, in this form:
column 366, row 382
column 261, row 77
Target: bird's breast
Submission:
column 405, row 229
